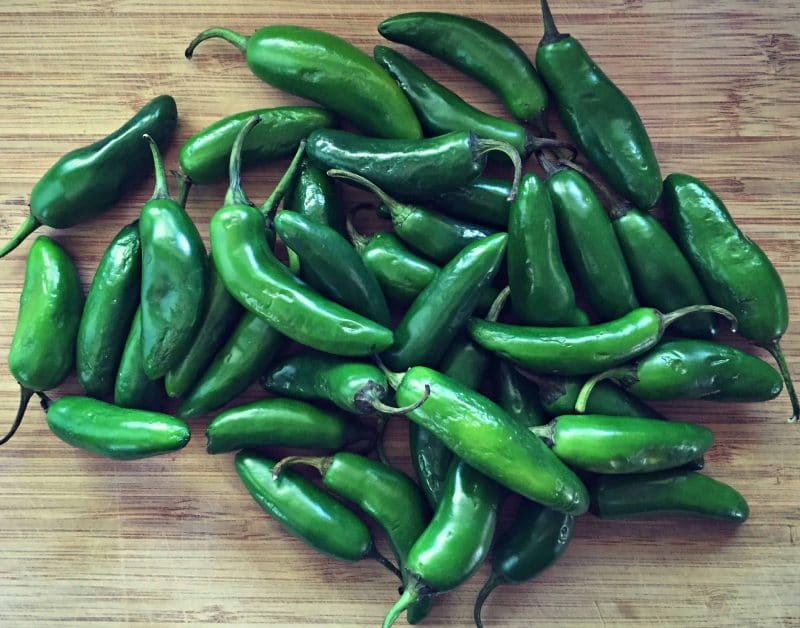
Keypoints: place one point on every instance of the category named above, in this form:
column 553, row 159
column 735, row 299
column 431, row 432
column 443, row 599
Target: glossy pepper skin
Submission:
column 87, row 181
column 733, row 269
column 442, row 308
column 408, row 169
column 328, row 70
column 132, row 387
column 333, row 267
column 484, row 201
column 43, row 347
column 518, row 396
column 480, row 51
column 590, row 245
column 678, row 493
column 113, row 432
column 487, row 438
column 174, row 277
column 276, row 422
column 110, row 305
column 313, row 196
column 204, row 157
column 613, row 445
column 541, row 290
column 598, row 116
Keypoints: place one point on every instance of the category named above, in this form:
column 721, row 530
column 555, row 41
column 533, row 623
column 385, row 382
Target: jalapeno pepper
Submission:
column 598, row 116
column 204, row 157
column 113, row 432
column 313, row 196
column 110, row 305
column 410, row 169
column 480, row 51
column 328, row 70
column 278, row 422
column 518, row 396
column 88, row 181
column 132, row 387
column 682, row 493
column 43, row 348
column 734, row 270
column 484, row 201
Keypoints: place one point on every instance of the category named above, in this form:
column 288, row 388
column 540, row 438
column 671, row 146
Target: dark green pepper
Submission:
column 598, row 116
column 681, row 493
column 87, row 181
column 410, row 169
column 174, row 277
column 204, row 157
column 611, row 444
column 484, row 201
column 113, row 432
column 110, row 305
column 281, row 423
column 518, row 396
column 734, row 270
column 328, row 70
column 313, row 196
column 132, row 387
column 43, row 348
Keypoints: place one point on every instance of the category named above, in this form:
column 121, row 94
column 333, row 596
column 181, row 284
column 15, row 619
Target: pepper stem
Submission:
column 410, row 595
column 270, row 206
column 161, row 189
column 235, row 194
column 385, row 562
column 386, row 409
column 320, row 463
column 240, row 41
column 588, row 386
column 537, row 144
column 551, row 33
column 184, row 185
column 774, row 348
column 380, row 429
column 484, row 146
column 25, row 395
column 491, row 584
column 546, row 432
column 359, row 240
column 392, row 377
column 497, row 304
column 668, row 319
column 294, row 261
column 387, row 200
column 28, row 226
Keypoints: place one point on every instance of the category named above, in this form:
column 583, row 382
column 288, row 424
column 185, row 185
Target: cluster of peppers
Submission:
column 568, row 429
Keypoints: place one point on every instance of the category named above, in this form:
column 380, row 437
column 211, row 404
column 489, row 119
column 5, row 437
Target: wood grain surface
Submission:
column 176, row 539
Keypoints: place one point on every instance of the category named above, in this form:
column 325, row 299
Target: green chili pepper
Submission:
column 541, row 290
column 733, row 269
column 333, row 267
column 611, row 444
column 536, row 539
column 487, row 438
column 483, row 201
column 670, row 493
column 313, row 196
column 518, row 396
column 113, row 432
column 410, row 169
column 174, row 277
column 590, row 245
column 281, row 423
column 204, row 157
column 132, row 387
column 43, row 348
column 480, row 51
column 307, row 512
column 580, row 350
column 328, row 70
column 88, row 181
column 693, row 369
column 256, row 278
column 442, row 308
column 457, row 540
column 110, row 305
column 598, row 116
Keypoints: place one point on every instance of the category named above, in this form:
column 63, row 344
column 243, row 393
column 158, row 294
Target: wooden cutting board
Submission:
column 176, row 539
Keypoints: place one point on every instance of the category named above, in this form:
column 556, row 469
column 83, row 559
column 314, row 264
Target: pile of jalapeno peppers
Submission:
column 603, row 307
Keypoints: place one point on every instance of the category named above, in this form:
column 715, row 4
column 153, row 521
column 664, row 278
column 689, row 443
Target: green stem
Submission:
column 386, row 409
column 184, row 185
column 393, row 378
column 774, row 348
column 484, row 146
column 491, row 584
column 235, row 194
column 387, row 200
column 538, row 144
column 294, row 261
column 551, row 33
column 588, row 386
column 28, row 226
column 270, row 206
column 240, row 41
column 321, row 464
column 410, row 595
column 497, row 304
column 546, row 432
column 25, row 395
column 161, row 189
column 668, row 319
column 385, row 562
column 359, row 240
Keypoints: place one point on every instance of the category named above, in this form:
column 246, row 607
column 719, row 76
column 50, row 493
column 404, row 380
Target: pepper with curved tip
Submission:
column 307, row 512
column 278, row 422
column 480, row 51
column 204, row 157
column 580, row 350
column 132, row 387
column 484, row 201
column 733, row 269
column 110, row 305
column 693, row 369
column 43, row 347
column 410, row 169
column 113, row 432
column 328, row 70
column 313, row 196
column 87, row 181
column 681, row 493
column 598, row 116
